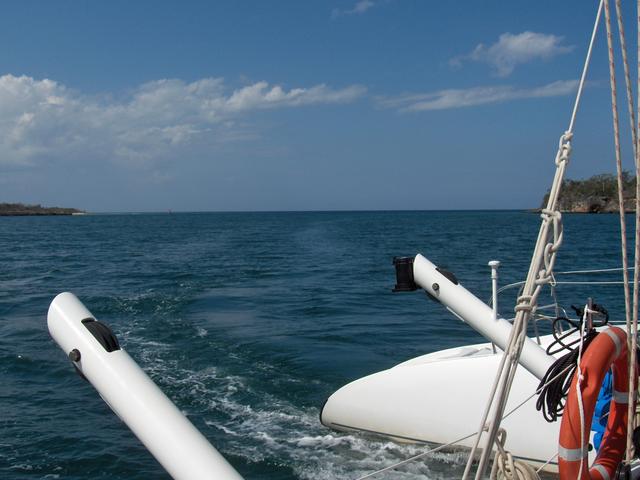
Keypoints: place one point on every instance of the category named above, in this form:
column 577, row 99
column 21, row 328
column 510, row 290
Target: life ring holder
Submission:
column 607, row 351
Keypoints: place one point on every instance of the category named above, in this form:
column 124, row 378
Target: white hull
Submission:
column 439, row 398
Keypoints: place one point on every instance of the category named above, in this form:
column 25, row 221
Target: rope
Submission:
column 505, row 467
column 541, row 467
column 540, row 273
column 552, row 397
column 627, row 77
column 634, row 324
column 586, row 67
column 621, row 209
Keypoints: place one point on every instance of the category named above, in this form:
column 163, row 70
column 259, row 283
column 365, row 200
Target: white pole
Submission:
column 179, row 447
column 470, row 309
column 494, row 264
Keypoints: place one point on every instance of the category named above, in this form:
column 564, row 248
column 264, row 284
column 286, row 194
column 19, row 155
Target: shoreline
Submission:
column 22, row 210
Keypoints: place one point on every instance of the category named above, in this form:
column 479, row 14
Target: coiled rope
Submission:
column 505, row 467
column 553, row 394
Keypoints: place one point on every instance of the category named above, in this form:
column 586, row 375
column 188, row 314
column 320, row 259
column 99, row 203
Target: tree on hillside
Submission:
column 597, row 193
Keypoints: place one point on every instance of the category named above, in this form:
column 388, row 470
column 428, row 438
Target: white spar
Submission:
column 179, row 447
column 470, row 309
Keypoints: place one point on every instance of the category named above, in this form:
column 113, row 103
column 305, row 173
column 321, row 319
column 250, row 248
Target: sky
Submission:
column 298, row 104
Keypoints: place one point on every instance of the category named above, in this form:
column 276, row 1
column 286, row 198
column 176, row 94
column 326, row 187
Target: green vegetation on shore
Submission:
column 597, row 194
column 15, row 209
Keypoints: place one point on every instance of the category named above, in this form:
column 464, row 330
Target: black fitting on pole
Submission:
column 74, row 355
column 404, row 274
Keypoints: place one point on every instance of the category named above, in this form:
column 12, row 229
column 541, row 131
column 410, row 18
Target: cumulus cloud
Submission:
column 458, row 98
column 511, row 50
column 358, row 9
column 42, row 119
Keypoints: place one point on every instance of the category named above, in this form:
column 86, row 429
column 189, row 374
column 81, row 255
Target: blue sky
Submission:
column 297, row 105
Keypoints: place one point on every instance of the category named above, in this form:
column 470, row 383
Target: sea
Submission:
column 248, row 322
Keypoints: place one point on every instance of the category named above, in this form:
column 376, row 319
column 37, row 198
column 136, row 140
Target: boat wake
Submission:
column 273, row 429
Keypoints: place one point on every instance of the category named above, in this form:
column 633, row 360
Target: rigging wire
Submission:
column 621, row 206
column 627, row 78
column 540, row 273
column 634, row 323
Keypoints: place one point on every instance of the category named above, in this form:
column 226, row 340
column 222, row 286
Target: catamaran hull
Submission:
column 439, row 398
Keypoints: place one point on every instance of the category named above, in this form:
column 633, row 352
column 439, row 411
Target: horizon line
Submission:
column 170, row 211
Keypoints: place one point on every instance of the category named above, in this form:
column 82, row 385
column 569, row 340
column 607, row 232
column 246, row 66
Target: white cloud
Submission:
column 359, row 8
column 260, row 95
column 511, row 50
column 458, row 98
column 42, row 119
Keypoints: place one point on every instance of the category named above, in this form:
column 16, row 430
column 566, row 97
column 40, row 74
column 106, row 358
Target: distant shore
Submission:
column 20, row 209
column 597, row 194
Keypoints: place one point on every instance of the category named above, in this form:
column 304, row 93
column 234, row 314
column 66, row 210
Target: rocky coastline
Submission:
column 597, row 194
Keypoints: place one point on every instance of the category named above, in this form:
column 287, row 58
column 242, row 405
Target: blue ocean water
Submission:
column 248, row 321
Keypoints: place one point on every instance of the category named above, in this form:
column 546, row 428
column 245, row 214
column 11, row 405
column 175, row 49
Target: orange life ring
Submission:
column 607, row 350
